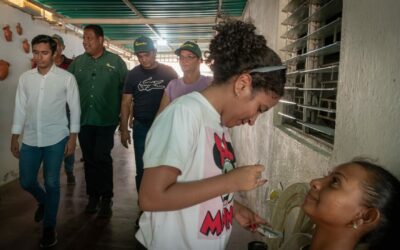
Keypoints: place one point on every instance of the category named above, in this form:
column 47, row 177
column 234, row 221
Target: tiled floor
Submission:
column 77, row 230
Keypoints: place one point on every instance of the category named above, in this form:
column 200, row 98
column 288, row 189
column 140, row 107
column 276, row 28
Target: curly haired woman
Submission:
column 190, row 174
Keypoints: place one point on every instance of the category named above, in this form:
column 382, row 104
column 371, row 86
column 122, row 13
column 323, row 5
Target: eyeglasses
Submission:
column 181, row 58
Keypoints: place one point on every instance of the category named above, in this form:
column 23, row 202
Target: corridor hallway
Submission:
column 75, row 229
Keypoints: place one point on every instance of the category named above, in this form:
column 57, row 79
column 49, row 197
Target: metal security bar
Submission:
column 312, row 53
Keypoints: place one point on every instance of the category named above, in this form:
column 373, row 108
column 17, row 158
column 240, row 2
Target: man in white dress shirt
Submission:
column 40, row 102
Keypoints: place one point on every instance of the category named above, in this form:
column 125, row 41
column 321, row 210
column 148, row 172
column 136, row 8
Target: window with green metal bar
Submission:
column 312, row 57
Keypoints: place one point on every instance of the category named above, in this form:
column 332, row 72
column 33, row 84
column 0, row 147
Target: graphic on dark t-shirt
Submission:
column 147, row 88
column 150, row 84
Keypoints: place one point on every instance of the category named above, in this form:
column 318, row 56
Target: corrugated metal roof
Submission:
column 172, row 20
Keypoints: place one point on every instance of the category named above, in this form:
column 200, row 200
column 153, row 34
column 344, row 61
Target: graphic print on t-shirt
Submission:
column 150, row 84
column 224, row 159
column 216, row 215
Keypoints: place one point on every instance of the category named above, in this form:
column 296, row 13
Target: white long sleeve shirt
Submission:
column 40, row 107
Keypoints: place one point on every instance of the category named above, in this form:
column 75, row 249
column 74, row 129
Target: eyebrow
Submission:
column 40, row 51
column 340, row 174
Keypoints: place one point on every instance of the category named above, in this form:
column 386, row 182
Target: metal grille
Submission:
column 312, row 52
column 115, row 17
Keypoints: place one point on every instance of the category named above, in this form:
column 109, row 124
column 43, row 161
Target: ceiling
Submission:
column 174, row 21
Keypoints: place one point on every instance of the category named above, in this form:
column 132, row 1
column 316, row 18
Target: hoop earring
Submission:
column 355, row 225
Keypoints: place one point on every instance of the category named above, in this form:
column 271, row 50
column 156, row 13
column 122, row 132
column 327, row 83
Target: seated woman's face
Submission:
column 336, row 199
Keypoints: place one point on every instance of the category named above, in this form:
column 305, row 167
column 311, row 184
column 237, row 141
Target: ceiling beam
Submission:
column 175, row 20
column 137, row 12
column 150, row 26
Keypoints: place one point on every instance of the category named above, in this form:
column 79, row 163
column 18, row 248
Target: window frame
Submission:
column 312, row 56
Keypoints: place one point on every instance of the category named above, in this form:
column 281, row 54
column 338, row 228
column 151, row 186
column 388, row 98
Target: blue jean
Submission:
column 69, row 163
column 139, row 138
column 29, row 164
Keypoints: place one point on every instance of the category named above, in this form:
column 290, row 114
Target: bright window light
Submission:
column 162, row 42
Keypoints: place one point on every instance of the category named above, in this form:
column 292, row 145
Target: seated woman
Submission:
column 359, row 202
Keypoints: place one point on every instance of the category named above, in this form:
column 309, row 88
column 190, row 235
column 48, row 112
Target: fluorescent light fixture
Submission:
column 47, row 15
column 19, row 3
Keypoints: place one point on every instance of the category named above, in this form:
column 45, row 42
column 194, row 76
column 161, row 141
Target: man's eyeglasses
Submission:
column 181, row 58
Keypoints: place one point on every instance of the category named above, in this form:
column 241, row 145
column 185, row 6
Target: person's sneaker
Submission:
column 70, row 179
column 39, row 213
column 92, row 206
column 49, row 237
column 105, row 208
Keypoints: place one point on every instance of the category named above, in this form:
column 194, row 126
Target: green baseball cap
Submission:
column 143, row 44
column 190, row 46
column 58, row 38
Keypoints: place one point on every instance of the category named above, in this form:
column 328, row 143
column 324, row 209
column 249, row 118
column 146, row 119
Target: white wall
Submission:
column 368, row 104
column 20, row 62
column 368, row 117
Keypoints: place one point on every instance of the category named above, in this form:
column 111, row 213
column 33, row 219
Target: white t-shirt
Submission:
column 188, row 135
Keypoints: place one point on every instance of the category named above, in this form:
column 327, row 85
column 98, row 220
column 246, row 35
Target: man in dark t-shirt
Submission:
column 144, row 86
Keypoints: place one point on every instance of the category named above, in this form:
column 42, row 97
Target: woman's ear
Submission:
column 242, row 83
column 368, row 220
column 371, row 217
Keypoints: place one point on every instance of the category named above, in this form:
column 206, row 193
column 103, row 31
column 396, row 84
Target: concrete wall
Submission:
column 368, row 103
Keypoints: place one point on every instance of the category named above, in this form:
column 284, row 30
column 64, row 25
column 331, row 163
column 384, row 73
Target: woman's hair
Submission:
column 382, row 191
column 237, row 49
column 45, row 39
